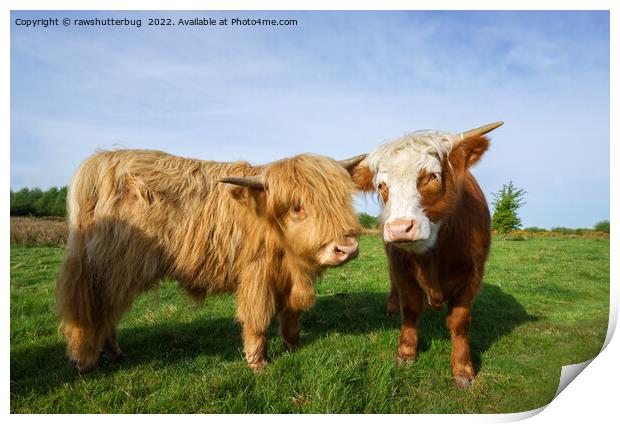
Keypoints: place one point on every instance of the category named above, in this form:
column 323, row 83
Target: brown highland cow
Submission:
column 436, row 231
column 265, row 233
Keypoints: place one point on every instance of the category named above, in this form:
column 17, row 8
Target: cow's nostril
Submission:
column 401, row 230
column 345, row 251
column 401, row 226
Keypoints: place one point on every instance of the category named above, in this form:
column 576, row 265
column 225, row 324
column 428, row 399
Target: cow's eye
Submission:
column 297, row 212
column 434, row 176
column 383, row 192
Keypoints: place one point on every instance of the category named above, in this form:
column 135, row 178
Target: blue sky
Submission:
column 338, row 84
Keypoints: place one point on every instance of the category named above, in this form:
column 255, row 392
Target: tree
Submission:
column 43, row 206
column 23, row 201
column 36, row 202
column 602, row 226
column 506, row 204
column 59, row 207
column 368, row 221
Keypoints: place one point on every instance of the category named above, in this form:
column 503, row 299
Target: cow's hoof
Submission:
column 463, row 381
column 292, row 346
column 114, row 355
column 258, row 366
column 438, row 306
column 404, row 360
column 435, row 299
column 85, row 369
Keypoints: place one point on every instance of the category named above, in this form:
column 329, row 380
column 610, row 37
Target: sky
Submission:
column 337, row 83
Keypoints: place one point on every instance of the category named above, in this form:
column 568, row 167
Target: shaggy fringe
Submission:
column 434, row 143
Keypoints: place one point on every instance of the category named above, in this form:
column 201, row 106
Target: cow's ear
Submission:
column 362, row 176
column 470, row 150
column 248, row 191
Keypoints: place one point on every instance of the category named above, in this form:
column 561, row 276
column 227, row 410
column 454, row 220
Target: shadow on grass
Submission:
column 495, row 314
column 38, row 369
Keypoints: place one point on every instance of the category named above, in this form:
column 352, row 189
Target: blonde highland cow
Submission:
column 265, row 233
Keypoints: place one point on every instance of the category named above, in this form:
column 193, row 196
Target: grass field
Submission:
column 544, row 304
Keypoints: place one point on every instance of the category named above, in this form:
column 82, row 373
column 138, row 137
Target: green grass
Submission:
column 544, row 304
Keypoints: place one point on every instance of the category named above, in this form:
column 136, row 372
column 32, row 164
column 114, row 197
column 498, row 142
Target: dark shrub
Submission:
column 535, row 229
column 563, row 230
column 602, row 226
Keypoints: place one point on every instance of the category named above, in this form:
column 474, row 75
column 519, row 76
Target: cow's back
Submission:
column 167, row 211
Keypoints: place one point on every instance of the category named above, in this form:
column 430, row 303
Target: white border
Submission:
column 594, row 395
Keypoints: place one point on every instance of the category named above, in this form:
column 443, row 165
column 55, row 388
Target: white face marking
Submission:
column 397, row 165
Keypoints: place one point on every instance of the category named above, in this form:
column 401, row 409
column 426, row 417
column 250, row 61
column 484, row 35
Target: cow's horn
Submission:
column 481, row 130
column 348, row 164
column 252, row 181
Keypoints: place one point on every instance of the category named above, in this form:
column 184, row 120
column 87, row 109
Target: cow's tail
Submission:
column 77, row 296
column 84, row 187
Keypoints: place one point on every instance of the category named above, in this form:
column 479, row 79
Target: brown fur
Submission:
column 362, row 177
column 453, row 269
column 136, row 216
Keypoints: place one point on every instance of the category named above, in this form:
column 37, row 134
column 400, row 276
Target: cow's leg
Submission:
column 289, row 327
column 256, row 306
column 255, row 347
column 110, row 346
column 411, row 307
column 458, row 322
column 255, row 342
column 87, row 342
column 393, row 304
column 398, row 271
column 116, row 307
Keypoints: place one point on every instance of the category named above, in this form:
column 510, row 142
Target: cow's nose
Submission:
column 401, row 230
column 346, row 251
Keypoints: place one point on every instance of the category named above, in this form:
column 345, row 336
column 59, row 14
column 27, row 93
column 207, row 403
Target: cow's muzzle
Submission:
column 337, row 253
column 401, row 230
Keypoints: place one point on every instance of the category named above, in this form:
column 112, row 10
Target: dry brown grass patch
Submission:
column 29, row 231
